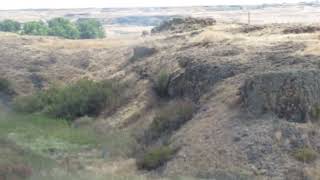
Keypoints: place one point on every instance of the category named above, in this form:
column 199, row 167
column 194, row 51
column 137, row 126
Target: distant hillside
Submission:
column 142, row 20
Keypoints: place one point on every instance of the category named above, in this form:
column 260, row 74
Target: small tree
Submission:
column 35, row 28
column 10, row 26
column 63, row 28
column 90, row 29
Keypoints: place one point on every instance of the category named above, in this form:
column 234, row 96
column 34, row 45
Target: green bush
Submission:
column 155, row 157
column 161, row 84
column 6, row 87
column 10, row 26
column 90, row 29
column 85, row 97
column 169, row 119
column 305, row 154
column 63, row 28
column 35, row 28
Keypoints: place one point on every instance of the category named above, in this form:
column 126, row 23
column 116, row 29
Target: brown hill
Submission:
column 226, row 72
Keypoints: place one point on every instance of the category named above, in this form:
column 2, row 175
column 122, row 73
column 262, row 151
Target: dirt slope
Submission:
column 209, row 66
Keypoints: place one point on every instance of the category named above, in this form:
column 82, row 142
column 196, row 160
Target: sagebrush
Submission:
column 155, row 157
column 83, row 98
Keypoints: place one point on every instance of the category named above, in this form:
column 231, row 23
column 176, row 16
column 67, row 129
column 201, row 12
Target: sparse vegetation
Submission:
column 155, row 157
column 40, row 133
column 169, row 119
column 305, row 154
column 10, row 26
column 84, row 97
column 28, row 141
column 161, row 84
column 37, row 28
column 6, row 87
column 16, row 171
column 90, row 29
column 315, row 113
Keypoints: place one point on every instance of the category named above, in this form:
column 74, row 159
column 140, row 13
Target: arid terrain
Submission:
column 255, row 89
column 131, row 21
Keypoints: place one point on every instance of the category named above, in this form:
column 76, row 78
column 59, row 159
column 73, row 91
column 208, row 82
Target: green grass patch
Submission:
column 11, row 154
column 42, row 134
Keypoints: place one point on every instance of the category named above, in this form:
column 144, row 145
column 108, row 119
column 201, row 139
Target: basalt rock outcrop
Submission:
column 291, row 95
column 196, row 79
column 178, row 25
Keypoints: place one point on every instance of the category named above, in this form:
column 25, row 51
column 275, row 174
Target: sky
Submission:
column 35, row 4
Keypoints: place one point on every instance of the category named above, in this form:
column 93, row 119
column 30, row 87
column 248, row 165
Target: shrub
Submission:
column 10, row 26
column 169, row 119
column 305, row 154
column 90, row 29
column 155, row 157
column 85, row 97
column 28, row 104
column 63, row 28
column 6, row 87
column 35, row 28
column 161, row 84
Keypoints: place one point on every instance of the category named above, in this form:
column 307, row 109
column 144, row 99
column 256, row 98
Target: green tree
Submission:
column 35, row 28
column 10, row 26
column 90, row 29
column 63, row 28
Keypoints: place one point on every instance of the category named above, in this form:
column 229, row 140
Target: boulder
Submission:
column 292, row 95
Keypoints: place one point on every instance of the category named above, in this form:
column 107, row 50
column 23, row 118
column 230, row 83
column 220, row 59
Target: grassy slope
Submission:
column 30, row 139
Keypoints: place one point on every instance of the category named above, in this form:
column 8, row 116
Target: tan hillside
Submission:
column 255, row 89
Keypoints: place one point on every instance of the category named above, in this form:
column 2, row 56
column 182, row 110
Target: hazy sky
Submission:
column 22, row 4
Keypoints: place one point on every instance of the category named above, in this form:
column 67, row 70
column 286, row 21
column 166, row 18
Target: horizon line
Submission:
column 141, row 7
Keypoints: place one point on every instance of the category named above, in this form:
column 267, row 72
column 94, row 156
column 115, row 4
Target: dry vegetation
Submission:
column 184, row 98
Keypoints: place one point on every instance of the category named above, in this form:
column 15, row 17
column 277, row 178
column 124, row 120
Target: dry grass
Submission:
column 85, row 44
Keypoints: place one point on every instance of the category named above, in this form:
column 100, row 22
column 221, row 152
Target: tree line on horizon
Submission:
column 61, row 27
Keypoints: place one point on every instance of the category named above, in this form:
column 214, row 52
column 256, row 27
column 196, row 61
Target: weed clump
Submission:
column 169, row 119
column 155, row 157
column 85, row 97
column 305, row 154
column 6, row 87
column 162, row 84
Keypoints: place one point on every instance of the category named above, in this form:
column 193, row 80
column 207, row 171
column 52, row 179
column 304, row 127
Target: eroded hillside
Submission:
column 254, row 90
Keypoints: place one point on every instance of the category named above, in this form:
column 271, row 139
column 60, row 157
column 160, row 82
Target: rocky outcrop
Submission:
column 197, row 79
column 301, row 29
column 178, row 25
column 292, row 95
column 141, row 52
